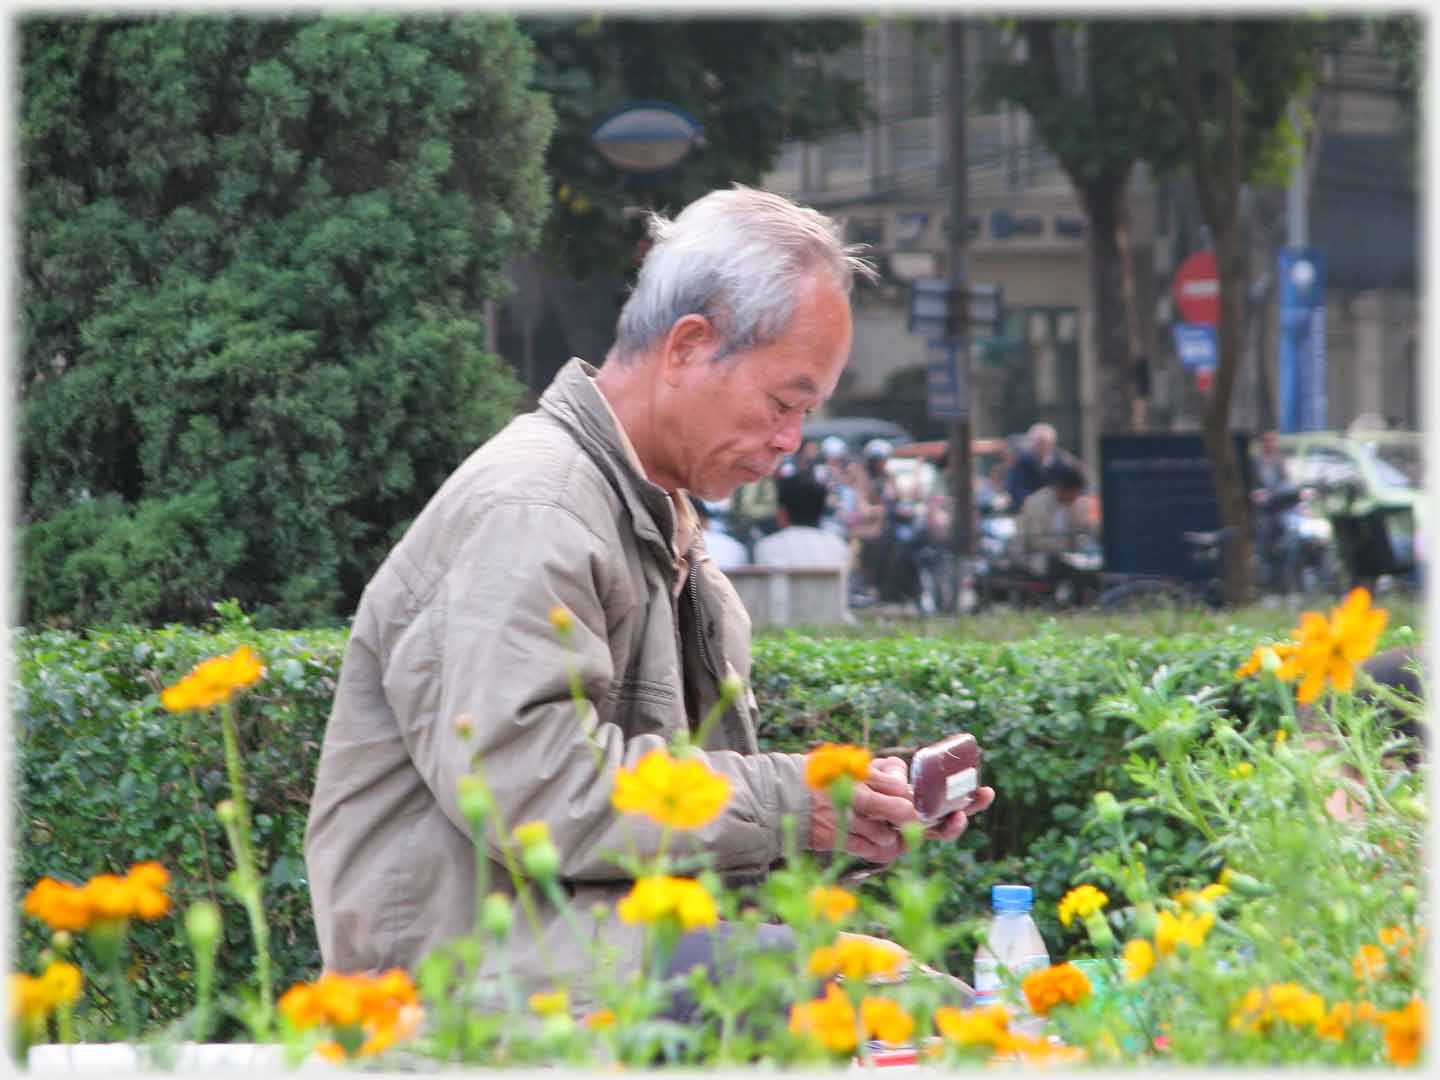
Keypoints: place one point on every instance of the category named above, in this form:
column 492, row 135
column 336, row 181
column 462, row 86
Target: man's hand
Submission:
column 880, row 805
column 952, row 825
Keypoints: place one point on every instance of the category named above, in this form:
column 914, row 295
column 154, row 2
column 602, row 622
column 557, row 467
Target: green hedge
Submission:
column 107, row 778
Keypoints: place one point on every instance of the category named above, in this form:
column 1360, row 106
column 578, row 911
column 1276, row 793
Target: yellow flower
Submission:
column 28, row 999
column 532, row 833
column 600, row 1019
column 830, row 1020
column 551, row 1004
column 988, row 1025
column 832, row 903
column 1061, row 984
column 1287, row 1002
column 214, row 681
column 1186, row 929
column 857, row 957
column 61, row 983
column 1081, row 901
column 656, row 898
column 885, row 1020
column 1390, row 936
column 60, row 905
column 1334, row 1023
column 829, row 762
column 684, row 794
column 1369, row 963
column 1139, row 959
column 561, row 619
column 1242, row 771
column 1327, row 650
column 1405, row 1031
column 146, row 882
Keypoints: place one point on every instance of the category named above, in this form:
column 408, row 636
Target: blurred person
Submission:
column 1054, row 519
column 562, row 550
column 800, row 541
column 1030, row 471
column 724, row 549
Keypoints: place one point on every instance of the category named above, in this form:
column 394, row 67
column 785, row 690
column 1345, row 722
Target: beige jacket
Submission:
column 1047, row 526
column 456, row 624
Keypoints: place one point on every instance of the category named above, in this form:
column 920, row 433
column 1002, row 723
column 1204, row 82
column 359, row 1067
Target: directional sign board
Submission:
column 932, row 300
column 947, row 380
column 1195, row 343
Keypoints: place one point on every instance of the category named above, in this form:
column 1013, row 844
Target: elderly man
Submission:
column 1031, row 468
column 1053, row 519
column 738, row 326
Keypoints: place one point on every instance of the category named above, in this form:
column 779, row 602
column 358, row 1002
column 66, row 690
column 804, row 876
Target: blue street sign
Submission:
column 947, row 379
column 1195, row 342
column 1302, row 339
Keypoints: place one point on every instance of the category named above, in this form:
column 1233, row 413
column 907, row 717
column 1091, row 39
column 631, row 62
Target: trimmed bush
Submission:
column 107, row 778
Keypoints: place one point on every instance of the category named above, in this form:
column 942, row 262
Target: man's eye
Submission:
column 782, row 407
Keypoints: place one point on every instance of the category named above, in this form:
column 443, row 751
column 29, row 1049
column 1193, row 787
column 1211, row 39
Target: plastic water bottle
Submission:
column 1011, row 939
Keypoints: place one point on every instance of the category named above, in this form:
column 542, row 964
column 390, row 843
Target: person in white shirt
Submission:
column 724, row 550
column 800, row 540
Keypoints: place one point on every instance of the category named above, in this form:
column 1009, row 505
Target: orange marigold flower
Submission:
column 684, row 794
column 661, row 897
column 885, row 1020
column 1060, row 984
column 1393, row 936
column 214, row 681
column 1369, row 963
column 58, row 904
column 826, row 764
column 832, row 903
column 1327, row 650
column 1334, row 1024
column 1405, row 1031
column 1286, row 1002
column 988, row 1025
column 857, row 957
column 600, row 1019
column 109, row 897
column 829, row 1020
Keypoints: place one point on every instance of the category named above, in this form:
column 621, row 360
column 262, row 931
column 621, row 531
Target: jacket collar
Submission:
column 574, row 400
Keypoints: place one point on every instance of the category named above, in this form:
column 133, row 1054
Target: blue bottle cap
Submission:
column 1011, row 897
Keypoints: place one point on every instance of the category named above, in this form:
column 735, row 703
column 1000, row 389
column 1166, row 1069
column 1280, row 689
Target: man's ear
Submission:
column 692, row 339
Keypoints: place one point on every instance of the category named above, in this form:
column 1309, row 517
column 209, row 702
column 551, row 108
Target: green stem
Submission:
column 247, row 878
column 128, row 1016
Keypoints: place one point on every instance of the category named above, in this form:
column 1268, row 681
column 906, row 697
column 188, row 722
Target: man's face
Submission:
column 1066, row 495
column 741, row 415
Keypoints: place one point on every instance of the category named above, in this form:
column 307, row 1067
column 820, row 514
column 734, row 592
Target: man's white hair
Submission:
column 1041, row 434
column 737, row 257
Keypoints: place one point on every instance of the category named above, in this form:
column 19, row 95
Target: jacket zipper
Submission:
column 700, row 620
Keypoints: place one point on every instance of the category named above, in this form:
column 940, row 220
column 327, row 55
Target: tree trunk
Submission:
column 1217, row 182
column 1116, row 318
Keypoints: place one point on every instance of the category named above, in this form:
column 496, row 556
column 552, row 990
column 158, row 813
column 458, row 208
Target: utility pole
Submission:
column 956, row 102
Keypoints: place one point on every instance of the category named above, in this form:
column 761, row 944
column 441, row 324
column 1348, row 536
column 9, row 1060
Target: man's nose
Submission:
column 787, row 439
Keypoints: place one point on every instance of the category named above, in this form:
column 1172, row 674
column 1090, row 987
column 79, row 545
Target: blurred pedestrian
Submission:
column 800, row 541
column 1054, row 519
column 1032, row 467
column 724, row 550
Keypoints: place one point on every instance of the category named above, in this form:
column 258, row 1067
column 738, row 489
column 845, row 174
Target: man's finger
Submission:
column 896, row 809
column 889, row 780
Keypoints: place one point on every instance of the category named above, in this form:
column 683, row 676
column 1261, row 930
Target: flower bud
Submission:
column 62, row 941
column 496, row 915
column 474, row 799
column 913, row 833
column 731, row 687
column 600, row 912
column 464, row 725
column 1107, row 809
column 227, row 812
column 1243, row 884
column 1269, row 659
column 540, row 860
column 1097, row 927
column 202, row 923
column 1145, row 920
column 1410, row 897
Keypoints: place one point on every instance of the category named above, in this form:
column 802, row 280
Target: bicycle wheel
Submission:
column 1147, row 595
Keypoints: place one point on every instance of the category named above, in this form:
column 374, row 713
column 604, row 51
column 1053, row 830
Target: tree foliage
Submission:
column 255, row 254
column 752, row 83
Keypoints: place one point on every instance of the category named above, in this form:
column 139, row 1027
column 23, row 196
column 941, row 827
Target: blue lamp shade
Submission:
column 646, row 137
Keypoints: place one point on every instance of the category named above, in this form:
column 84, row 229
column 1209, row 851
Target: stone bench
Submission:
column 792, row 595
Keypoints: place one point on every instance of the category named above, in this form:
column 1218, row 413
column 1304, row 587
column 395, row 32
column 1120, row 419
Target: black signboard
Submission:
column 1153, row 489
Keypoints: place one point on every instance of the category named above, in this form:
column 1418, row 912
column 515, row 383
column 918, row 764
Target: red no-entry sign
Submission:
column 1197, row 289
